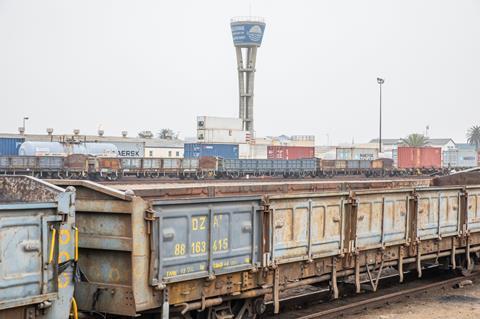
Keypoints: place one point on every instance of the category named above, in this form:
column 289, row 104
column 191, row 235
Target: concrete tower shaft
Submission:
column 247, row 35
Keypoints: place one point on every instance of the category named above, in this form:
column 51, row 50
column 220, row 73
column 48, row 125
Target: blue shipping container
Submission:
column 10, row 146
column 196, row 150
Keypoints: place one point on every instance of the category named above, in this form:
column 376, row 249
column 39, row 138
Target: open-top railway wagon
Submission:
column 219, row 250
column 37, row 249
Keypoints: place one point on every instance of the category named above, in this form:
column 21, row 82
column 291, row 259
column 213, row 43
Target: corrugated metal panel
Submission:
column 438, row 213
column 473, row 208
column 381, row 218
column 10, row 146
column 290, row 152
column 198, row 239
column 306, row 227
column 419, row 157
column 196, row 150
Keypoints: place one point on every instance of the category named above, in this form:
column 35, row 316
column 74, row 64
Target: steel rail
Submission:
column 358, row 303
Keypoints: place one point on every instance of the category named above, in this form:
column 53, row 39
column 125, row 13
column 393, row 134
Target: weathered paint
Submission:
column 205, row 238
column 473, row 209
column 306, row 227
column 33, row 216
column 438, row 212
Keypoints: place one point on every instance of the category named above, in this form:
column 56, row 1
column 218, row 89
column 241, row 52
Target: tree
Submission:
column 145, row 134
column 473, row 136
column 415, row 140
column 167, row 134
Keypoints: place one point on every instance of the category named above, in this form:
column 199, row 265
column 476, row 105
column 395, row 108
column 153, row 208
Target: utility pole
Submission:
column 380, row 81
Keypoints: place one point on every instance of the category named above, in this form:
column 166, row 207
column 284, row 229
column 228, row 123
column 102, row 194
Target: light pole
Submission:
column 25, row 118
column 380, row 81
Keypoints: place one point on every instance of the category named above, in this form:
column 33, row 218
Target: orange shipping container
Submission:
column 419, row 157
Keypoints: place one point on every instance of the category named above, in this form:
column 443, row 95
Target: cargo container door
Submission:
column 381, row 219
column 306, row 227
column 203, row 238
column 438, row 213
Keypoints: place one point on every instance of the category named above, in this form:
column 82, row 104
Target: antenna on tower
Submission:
column 247, row 34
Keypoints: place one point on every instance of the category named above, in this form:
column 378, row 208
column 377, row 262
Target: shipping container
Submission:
column 221, row 136
column 290, row 152
column 356, row 153
column 419, row 157
column 259, row 151
column 467, row 156
column 244, row 151
column 224, row 123
column 196, row 150
column 10, row 146
column 129, row 149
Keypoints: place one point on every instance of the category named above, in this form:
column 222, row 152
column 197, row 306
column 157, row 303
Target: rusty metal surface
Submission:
column 26, row 189
column 228, row 189
column 467, row 177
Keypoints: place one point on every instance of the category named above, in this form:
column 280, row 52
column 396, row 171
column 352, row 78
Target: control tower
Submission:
column 247, row 35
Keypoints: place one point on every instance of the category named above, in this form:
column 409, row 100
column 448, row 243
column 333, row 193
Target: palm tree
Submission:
column 415, row 140
column 473, row 136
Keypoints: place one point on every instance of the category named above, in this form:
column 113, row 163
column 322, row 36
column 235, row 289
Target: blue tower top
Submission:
column 247, row 31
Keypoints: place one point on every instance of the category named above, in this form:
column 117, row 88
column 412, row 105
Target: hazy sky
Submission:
column 134, row 65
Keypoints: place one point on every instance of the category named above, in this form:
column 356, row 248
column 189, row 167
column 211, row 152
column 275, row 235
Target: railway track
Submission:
column 361, row 302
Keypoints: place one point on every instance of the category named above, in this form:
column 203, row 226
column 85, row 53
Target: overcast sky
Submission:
column 135, row 65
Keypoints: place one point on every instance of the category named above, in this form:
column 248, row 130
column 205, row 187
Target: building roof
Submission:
column 431, row 141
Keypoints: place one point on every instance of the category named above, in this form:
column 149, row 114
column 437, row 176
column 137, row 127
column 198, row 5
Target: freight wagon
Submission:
column 37, row 249
column 223, row 250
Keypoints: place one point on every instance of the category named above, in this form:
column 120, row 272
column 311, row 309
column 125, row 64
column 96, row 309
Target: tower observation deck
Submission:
column 247, row 35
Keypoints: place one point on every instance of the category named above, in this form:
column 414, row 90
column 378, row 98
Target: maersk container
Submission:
column 10, row 146
column 196, row 150
column 419, row 157
column 357, row 153
column 290, row 152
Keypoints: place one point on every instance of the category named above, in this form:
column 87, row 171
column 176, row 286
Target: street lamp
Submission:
column 25, row 118
column 380, row 81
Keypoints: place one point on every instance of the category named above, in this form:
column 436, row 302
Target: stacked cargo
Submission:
column 222, row 130
column 196, row 150
column 419, row 157
column 10, row 145
column 290, row 152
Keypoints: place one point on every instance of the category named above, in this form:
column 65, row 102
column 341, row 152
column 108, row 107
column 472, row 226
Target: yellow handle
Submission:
column 52, row 245
column 74, row 308
column 76, row 243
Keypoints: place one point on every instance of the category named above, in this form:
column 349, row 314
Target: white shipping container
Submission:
column 354, row 153
column 244, row 151
column 259, row 151
column 221, row 136
column 225, row 123
column 164, row 152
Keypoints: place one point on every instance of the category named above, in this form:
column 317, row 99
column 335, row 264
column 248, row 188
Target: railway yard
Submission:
column 302, row 209
column 244, row 249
